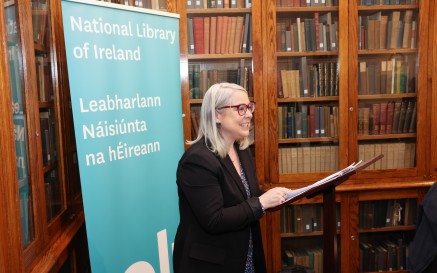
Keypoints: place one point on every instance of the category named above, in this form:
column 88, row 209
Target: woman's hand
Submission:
column 274, row 197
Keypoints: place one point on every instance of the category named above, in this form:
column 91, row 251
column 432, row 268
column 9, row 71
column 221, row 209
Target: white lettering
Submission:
column 113, row 103
column 164, row 261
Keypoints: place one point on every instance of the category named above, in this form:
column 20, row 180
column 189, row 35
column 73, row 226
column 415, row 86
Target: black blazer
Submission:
column 216, row 217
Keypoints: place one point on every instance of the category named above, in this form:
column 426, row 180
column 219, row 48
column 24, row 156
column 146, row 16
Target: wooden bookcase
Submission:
column 47, row 200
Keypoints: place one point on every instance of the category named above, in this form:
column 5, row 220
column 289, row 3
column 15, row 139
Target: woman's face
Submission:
column 233, row 125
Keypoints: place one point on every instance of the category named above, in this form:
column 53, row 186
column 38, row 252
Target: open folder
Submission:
column 331, row 180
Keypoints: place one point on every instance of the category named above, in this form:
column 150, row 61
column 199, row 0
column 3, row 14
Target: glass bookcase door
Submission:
column 25, row 183
column 219, row 47
column 308, row 87
column 387, row 63
column 48, row 113
column 386, row 229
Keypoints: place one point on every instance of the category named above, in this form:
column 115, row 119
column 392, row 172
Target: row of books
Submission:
column 308, row 159
column 387, row 118
column 43, row 75
column 393, row 30
column 319, row 33
column 201, row 77
column 306, row 3
column 304, row 218
column 218, row 4
column 388, row 255
column 307, row 120
column 394, row 76
column 397, row 155
column 320, row 158
column 148, row 4
column 48, row 137
column 219, row 34
column 308, row 80
column 387, row 2
column 307, row 257
column 40, row 21
column 386, row 213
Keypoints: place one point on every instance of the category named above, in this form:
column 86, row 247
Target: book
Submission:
column 198, row 25
column 244, row 48
column 303, row 81
column 389, row 119
column 206, row 34
column 408, row 116
column 46, row 142
column 402, row 116
column 363, row 79
column 190, row 36
column 396, row 114
column 412, row 126
column 390, row 78
column 218, row 40
column 239, row 32
column 194, row 124
column 395, row 22
column 232, row 24
column 213, row 35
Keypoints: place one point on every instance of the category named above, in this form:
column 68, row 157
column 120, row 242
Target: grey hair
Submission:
column 217, row 96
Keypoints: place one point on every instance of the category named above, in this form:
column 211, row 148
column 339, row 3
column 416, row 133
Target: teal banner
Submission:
column 123, row 66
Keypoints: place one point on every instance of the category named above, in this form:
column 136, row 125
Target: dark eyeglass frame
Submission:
column 241, row 108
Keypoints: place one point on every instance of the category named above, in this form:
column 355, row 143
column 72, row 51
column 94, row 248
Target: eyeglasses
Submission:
column 241, row 108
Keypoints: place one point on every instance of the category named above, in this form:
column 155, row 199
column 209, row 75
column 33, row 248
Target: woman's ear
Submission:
column 218, row 117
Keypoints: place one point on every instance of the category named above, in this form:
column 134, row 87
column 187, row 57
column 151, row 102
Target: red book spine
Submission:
column 198, row 35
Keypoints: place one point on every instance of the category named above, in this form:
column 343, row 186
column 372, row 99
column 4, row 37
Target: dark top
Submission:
column 423, row 249
column 216, row 215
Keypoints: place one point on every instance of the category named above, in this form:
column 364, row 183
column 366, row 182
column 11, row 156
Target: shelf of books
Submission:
column 20, row 124
column 387, row 66
column 219, row 37
column 307, row 83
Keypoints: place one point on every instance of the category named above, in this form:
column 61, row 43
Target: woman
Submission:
column 220, row 201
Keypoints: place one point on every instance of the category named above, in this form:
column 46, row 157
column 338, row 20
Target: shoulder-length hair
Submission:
column 217, row 96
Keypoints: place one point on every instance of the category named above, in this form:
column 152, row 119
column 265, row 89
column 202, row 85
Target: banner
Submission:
column 123, row 66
